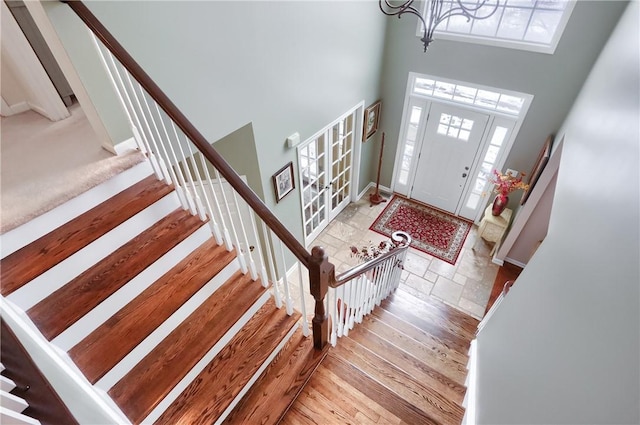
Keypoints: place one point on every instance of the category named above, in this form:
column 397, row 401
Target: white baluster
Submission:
column 333, row 314
column 285, row 283
column 303, row 304
column 252, row 265
column 177, row 173
column 268, row 240
column 192, row 170
column 146, row 128
column 234, row 234
column 179, row 186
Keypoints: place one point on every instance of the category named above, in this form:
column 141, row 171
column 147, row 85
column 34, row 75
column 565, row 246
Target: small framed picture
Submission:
column 371, row 120
column 283, row 182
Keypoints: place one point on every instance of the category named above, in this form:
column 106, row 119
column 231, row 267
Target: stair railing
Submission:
column 208, row 186
column 356, row 292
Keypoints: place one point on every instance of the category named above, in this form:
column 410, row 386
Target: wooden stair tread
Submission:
column 97, row 353
column 437, row 327
column 413, row 366
column 408, row 412
column 429, row 349
column 210, row 394
column 454, row 320
column 66, row 305
column 271, row 396
column 143, row 387
column 29, row 262
column 433, row 404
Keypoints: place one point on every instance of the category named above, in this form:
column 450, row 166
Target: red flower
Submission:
column 506, row 183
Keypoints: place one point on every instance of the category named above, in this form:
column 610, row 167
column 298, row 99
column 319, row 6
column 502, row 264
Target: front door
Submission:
column 452, row 138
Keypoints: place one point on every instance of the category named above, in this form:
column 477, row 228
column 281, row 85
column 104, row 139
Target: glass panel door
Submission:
column 312, row 160
column 341, row 159
column 326, row 176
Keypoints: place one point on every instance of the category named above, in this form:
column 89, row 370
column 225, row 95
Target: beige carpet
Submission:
column 44, row 164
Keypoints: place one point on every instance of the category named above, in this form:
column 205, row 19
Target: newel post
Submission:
column 320, row 272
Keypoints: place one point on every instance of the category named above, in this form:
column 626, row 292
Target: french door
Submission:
column 451, row 140
column 325, row 171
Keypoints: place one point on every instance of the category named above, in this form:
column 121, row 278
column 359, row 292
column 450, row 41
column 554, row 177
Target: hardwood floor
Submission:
column 405, row 364
column 507, row 272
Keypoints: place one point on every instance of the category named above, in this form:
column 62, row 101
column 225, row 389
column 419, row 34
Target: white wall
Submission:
column 564, row 345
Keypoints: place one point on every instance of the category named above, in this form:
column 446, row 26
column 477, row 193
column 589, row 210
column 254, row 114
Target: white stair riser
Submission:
column 22, row 236
column 206, row 359
column 12, row 402
column 255, row 377
column 149, row 343
column 6, row 384
column 59, row 275
column 14, row 418
column 96, row 317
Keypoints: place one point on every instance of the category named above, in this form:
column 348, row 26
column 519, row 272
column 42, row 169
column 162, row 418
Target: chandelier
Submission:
column 436, row 12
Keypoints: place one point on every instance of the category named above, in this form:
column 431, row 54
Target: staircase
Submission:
column 406, row 363
column 136, row 296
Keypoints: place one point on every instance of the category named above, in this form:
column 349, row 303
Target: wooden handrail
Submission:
column 190, row 131
column 401, row 238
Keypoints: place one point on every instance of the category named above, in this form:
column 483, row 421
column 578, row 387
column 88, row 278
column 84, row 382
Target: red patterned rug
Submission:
column 433, row 231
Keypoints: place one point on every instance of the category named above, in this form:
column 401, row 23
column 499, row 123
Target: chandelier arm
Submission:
column 407, row 7
column 398, row 10
column 469, row 12
column 435, row 14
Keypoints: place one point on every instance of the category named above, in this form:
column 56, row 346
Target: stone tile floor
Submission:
column 465, row 285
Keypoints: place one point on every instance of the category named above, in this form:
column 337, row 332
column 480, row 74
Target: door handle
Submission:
column 464, row 174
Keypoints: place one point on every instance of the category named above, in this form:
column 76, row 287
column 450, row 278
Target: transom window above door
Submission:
column 534, row 25
column 453, row 135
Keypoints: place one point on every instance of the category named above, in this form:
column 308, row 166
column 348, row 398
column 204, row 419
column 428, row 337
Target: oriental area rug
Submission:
column 433, row 231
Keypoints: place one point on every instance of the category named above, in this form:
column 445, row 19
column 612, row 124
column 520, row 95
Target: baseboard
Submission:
column 514, row 262
column 372, row 185
column 127, row 145
column 18, row 108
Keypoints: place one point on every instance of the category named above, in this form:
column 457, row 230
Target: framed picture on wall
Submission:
column 371, row 120
column 538, row 167
column 283, row 182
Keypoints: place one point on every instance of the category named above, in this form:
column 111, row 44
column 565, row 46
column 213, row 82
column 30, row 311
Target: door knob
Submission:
column 464, row 174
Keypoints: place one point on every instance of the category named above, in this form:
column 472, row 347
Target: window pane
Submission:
column 473, row 201
column 444, row 90
column 510, row 104
column 520, row 3
column 543, row 26
column 552, row 4
column 459, row 24
column 514, row 23
column 498, row 136
column 467, row 124
column 488, row 27
column 424, row 86
column 464, row 94
column 487, row 99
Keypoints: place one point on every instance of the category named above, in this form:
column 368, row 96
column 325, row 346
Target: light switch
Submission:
column 293, row 140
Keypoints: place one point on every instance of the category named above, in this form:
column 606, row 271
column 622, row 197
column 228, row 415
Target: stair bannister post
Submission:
column 321, row 271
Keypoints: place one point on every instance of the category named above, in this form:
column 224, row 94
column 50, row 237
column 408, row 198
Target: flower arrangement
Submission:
column 506, row 183
column 371, row 251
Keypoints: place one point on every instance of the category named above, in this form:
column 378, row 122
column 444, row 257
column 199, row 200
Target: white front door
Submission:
column 452, row 138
